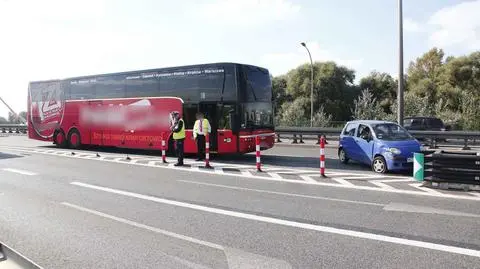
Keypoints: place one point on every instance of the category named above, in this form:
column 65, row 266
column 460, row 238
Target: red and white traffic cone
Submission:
column 322, row 156
column 257, row 149
column 164, row 157
column 207, row 151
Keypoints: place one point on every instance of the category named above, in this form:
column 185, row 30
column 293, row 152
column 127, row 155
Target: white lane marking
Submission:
column 146, row 227
column 18, row 171
column 283, row 193
column 246, row 173
column 477, row 194
column 275, row 175
column 152, row 163
column 308, row 178
column 218, row 170
column 235, row 258
column 360, row 177
column 258, row 177
column 342, row 181
column 419, row 186
column 319, row 228
column 381, row 185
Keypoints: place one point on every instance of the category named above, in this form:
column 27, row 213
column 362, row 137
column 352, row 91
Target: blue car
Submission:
column 385, row 146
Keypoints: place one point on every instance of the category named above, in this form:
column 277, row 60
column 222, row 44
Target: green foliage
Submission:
column 366, row 107
column 382, row 86
column 3, row 120
column 436, row 85
column 470, row 106
column 321, row 118
column 294, row 113
column 333, row 87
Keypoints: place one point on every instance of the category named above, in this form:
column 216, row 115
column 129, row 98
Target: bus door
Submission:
column 211, row 113
column 95, row 132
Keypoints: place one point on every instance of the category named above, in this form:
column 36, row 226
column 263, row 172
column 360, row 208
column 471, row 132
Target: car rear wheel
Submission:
column 342, row 156
column 379, row 165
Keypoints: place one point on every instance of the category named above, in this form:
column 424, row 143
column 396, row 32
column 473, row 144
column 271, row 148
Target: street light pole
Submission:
column 400, row 100
column 311, row 83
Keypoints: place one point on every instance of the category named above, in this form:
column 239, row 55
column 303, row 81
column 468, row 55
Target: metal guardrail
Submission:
column 298, row 134
column 452, row 167
column 13, row 128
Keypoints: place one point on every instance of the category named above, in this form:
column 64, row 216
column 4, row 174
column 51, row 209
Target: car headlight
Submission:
column 394, row 151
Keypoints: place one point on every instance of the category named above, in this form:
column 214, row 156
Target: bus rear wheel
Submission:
column 59, row 139
column 74, row 140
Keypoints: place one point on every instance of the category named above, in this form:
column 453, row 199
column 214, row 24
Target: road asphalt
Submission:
column 84, row 213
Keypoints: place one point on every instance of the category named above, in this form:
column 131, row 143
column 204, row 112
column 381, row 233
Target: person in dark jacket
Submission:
column 178, row 129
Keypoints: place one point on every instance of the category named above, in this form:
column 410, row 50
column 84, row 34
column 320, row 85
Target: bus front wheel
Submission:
column 74, row 140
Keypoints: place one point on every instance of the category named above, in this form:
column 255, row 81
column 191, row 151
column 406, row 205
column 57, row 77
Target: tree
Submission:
column 424, row 75
column 3, row 120
column 293, row 113
column 470, row 105
column 12, row 118
column 383, row 88
column 279, row 95
column 321, row 119
column 333, row 87
column 414, row 105
column 366, row 107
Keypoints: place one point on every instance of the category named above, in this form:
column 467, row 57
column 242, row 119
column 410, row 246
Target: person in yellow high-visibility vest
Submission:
column 178, row 130
column 200, row 129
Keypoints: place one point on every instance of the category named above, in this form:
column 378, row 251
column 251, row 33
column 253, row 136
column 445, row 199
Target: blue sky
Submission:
column 61, row 38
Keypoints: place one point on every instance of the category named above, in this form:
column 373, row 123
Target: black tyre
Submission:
column 74, row 140
column 379, row 165
column 60, row 139
column 342, row 156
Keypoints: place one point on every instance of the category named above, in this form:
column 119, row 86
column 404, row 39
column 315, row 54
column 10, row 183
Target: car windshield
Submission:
column 391, row 132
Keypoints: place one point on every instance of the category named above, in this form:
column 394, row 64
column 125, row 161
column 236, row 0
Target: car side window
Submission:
column 363, row 131
column 350, row 129
column 416, row 122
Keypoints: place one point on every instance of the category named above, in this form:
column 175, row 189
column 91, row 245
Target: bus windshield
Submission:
column 259, row 84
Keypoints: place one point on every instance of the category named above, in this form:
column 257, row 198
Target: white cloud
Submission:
column 280, row 63
column 247, row 12
column 457, row 26
column 412, row 26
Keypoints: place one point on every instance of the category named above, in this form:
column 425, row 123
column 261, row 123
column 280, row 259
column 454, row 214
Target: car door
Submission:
column 364, row 144
column 347, row 141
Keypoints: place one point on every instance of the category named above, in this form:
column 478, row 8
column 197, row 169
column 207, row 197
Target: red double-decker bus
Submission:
column 131, row 109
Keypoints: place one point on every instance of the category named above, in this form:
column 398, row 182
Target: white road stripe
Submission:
column 18, row 171
column 477, row 194
column 275, row 175
column 146, row 227
column 418, row 186
column 283, row 193
column 152, row 163
column 318, row 228
column 360, row 177
column 382, row 185
column 342, row 181
column 218, row 170
column 246, row 173
column 308, row 178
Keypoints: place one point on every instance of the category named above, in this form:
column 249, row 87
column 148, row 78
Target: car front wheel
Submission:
column 342, row 156
column 379, row 165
